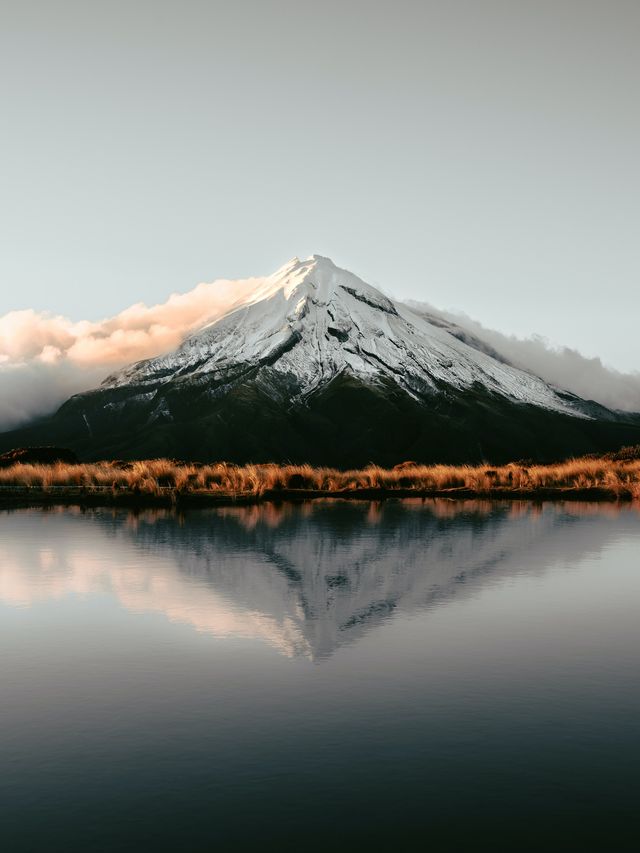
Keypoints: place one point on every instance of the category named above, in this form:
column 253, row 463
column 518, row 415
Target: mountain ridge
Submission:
column 334, row 316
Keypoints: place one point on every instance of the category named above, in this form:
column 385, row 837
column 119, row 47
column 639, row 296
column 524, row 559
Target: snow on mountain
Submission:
column 311, row 321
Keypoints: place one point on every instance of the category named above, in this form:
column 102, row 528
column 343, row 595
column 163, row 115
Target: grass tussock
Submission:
column 616, row 477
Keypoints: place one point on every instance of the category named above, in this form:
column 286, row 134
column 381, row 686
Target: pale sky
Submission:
column 482, row 155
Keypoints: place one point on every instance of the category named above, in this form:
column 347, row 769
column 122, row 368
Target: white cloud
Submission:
column 561, row 366
column 45, row 358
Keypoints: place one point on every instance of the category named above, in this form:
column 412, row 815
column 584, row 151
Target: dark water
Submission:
column 336, row 676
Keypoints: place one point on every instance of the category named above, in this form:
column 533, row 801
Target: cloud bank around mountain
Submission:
column 561, row 366
column 46, row 358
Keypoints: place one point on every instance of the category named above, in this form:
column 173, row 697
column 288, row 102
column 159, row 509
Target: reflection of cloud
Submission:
column 204, row 609
column 148, row 586
column 303, row 579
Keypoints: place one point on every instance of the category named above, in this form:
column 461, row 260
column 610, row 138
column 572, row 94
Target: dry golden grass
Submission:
column 157, row 476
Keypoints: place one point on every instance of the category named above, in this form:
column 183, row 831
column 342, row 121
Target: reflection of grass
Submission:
column 606, row 477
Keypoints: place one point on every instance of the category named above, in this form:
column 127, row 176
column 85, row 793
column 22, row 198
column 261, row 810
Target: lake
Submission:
column 406, row 675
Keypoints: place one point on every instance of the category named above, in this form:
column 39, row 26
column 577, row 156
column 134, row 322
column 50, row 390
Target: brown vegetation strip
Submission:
column 162, row 482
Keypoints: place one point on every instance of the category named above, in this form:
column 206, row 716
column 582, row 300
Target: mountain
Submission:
column 313, row 364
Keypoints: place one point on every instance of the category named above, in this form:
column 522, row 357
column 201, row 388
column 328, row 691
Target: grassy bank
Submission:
column 162, row 481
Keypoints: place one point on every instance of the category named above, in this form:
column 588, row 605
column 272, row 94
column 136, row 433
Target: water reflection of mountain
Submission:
column 306, row 579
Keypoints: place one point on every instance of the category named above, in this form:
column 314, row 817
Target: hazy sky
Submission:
column 480, row 155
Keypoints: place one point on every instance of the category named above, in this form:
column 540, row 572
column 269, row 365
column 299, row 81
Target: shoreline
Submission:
column 23, row 498
column 169, row 483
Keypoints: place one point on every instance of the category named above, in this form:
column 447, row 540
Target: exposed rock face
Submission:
column 315, row 365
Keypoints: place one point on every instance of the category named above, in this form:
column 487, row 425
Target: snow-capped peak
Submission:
column 311, row 321
column 317, row 276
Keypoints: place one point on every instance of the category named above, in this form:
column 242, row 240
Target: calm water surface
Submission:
column 343, row 676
